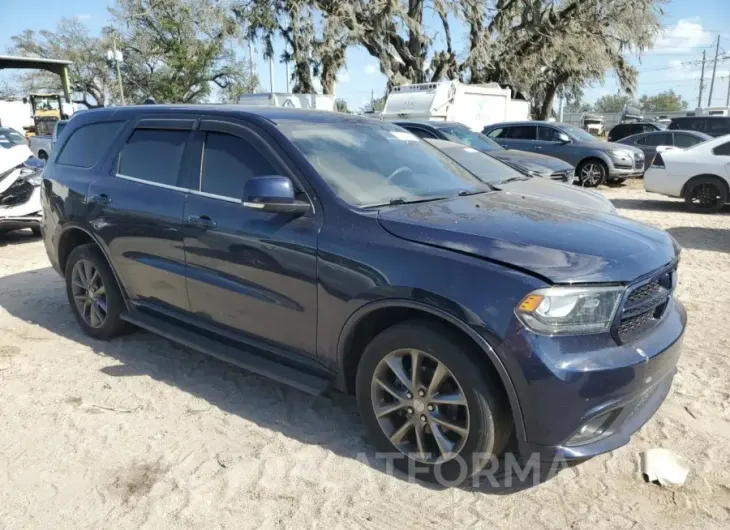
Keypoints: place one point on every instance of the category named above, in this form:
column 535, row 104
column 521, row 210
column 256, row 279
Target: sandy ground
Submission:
column 138, row 432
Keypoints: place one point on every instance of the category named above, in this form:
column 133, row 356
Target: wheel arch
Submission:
column 705, row 175
column 374, row 317
column 74, row 236
column 42, row 154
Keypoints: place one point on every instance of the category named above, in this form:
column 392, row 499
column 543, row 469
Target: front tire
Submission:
column 705, row 195
column 592, row 173
column 429, row 404
column 93, row 293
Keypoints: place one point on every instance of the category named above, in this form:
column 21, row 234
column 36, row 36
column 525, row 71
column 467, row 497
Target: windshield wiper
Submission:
column 512, row 179
column 467, row 193
column 401, row 200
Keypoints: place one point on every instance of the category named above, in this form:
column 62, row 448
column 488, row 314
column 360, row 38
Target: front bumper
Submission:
column 624, row 168
column 566, row 383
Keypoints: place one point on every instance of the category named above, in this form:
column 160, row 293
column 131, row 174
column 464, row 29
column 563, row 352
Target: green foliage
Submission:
column 667, row 101
column 614, row 103
column 341, row 106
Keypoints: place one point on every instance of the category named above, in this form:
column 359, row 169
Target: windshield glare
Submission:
column 468, row 137
column 483, row 166
column 10, row 138
column 372, row 163
column 578, row 134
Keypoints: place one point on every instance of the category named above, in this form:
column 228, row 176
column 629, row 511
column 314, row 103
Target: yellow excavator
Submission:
column 47, row 110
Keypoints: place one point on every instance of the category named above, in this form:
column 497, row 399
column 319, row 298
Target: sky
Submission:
column 689, row 27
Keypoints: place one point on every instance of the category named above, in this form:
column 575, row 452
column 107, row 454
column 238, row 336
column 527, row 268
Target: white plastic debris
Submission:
column 662, row 466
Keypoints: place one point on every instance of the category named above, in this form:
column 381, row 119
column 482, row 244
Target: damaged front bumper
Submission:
column 20, row 201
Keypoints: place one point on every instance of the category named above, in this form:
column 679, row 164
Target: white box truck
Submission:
column 475, row 106
column 282, row 99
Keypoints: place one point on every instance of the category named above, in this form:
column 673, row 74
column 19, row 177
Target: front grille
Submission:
column 644, row 305
column 562, row 176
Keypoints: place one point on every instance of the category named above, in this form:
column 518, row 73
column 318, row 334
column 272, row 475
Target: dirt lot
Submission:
column 138, row 432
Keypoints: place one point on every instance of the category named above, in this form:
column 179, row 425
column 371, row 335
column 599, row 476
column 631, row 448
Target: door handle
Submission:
column 201, row 221
column 102, row 199
column 538, row 148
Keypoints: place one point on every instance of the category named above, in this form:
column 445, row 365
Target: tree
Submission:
column 577, row 105
column 177, row 50
column 614, row 103
column 667, row 101
column 90, row 77
column 341, row 106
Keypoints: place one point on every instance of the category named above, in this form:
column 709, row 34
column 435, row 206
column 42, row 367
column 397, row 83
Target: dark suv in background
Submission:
column 713, row 125
column 325, row 251
column 622, row 130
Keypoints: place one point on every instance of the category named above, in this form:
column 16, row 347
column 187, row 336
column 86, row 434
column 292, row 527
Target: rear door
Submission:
column 685, row 140
column 137, row 209
column 249, row 271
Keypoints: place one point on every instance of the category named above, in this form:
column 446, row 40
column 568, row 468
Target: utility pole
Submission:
column 560, row 109
column 727, row 99
column 250, row 56
column 271, row 75
column 287, row 76
column 714, row 69
column 702, row 81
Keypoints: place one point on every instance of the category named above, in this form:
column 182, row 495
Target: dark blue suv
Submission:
column 331, row 251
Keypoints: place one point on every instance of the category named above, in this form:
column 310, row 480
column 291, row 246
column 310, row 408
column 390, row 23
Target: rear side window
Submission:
column 685, row 140
column 522, row 132
column 658, row 139
column 88, row 144
column 497, row 133
column 722, row 150
column 153, row 155
column 228, row 162
column 718, row 127
column 421, row 133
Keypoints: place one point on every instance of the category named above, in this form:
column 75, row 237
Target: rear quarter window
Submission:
column 722, row 150
column 88, row 144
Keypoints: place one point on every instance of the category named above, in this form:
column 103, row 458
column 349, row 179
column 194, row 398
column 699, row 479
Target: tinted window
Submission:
column 421, row 133
column 228, row 162
column 497, row 133
column 153, row 155
column 718, row 127
column 641, row 140
column 88, row 144
column 522, row 132
column 10, row 138
column 548, row 134
column 723, row 150
column 686, row 140
column 658, row 139
column 648, row 127
column 693, row 124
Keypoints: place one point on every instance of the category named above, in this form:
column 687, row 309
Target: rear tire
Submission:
column 705, row 195
column 93, row 293
column 592, row 173
column 42, row 155
column 415, row 416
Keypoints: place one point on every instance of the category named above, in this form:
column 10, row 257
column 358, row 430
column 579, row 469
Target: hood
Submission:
column 565, row 195
column 562, row 245
column 605, row 146
column 531, row 161
column 13, row 157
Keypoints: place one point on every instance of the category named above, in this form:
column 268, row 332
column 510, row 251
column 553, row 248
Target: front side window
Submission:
column 577, row 133
column 228, row 162
column 522, row 132
column 464, row 135
column 153, row 155
column 499, row 132
column 369, row 164
column 549, row 134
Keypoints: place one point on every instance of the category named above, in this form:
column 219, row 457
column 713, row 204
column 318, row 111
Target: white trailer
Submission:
column 475, row 106
column 282, row 99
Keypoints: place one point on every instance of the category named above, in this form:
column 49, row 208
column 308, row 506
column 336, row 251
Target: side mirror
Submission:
column 564, row 138
column 272, row 194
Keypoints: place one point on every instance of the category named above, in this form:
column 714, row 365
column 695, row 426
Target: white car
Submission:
column 699, row 174
column 20, row 192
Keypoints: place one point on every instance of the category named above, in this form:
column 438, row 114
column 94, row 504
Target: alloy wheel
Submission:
column 89, row 293
column 705, row 197
column 420, row 406
column 591, row 174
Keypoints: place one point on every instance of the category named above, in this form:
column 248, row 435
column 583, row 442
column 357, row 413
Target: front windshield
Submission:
column 368, row 163
column 466, row 136
column 577, row 133
column 10, row 138
column 485, row 167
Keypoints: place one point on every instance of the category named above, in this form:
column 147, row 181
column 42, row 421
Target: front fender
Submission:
column 462, row 322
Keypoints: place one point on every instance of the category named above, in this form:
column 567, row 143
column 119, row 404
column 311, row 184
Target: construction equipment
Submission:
column 47, row 109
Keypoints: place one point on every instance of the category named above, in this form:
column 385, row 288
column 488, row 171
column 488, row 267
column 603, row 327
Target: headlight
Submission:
column 620, row 153
column 574, row 310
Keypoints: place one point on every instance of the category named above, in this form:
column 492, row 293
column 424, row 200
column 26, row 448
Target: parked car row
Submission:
column 462, row 308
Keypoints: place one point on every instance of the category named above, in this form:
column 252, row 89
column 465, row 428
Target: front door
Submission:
column 137, row 209
column 249, row 271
